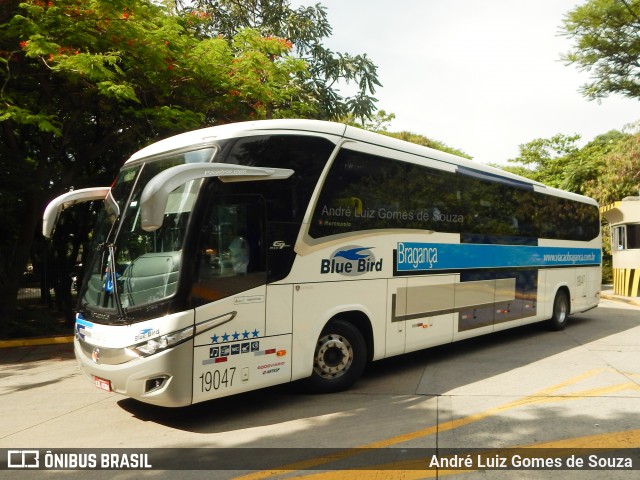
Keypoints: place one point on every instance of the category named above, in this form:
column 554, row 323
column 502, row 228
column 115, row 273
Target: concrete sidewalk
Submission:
column 607, row 294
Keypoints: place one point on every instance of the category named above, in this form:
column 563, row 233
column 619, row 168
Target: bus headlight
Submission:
column 162, row 342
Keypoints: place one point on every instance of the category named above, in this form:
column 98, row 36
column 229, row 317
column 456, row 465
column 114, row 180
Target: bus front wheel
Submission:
column 339, row 358
column 560, row 314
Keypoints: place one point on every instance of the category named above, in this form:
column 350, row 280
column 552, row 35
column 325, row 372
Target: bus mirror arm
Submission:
column 55, row 207
column 155, row 195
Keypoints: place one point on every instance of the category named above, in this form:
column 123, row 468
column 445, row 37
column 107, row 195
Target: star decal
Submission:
column 246, row 335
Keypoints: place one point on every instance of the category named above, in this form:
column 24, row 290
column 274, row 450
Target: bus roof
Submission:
column 211, row 134
column 231, row 130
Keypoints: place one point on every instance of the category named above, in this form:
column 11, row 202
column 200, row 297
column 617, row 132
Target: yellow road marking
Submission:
column 416, row 469
column 546, row 395
column 31, row 342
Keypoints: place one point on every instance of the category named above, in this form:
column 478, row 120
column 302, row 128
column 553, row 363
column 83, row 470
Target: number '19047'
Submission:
column 217, row 379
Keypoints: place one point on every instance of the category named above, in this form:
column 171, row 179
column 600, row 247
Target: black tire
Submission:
column 339, row 358
column 561, row 310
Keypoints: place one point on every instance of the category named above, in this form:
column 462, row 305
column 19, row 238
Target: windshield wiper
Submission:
column 112, row 281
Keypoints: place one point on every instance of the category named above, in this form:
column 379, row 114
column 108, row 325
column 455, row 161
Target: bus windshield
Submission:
column 132, row 267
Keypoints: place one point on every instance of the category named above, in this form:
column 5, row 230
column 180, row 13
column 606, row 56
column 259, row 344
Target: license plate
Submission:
column 102, row 384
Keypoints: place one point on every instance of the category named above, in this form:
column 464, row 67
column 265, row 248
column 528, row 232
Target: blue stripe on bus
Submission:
column 84, row 323
column 415, row 256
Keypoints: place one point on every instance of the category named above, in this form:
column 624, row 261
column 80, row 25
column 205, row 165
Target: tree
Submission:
column 545, row 159
column 306, row 28
column 380, row 123
column 619, row 175
column 607, row 168
column 585, row 173
column 87, row 82
column 426, row 142
column 607, row 43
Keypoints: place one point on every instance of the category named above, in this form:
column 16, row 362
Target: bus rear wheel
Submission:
column 339, row 358
column 560, row 314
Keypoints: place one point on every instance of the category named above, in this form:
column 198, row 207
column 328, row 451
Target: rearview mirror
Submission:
column 55, row 206
column 153, row 201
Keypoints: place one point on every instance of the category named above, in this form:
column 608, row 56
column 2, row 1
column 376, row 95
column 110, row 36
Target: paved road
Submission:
column 521, row 388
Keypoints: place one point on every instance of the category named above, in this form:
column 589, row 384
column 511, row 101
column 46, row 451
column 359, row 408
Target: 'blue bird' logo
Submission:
column 353, row 254
column 351, row 260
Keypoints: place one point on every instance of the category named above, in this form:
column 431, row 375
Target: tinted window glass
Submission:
column 362, row 192
column 287, row 200
column 633, row 236
column 231, row 249
column 626, row 237
column 366, row 192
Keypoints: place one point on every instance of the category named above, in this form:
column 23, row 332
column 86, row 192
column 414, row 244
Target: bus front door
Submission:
column 233, row 354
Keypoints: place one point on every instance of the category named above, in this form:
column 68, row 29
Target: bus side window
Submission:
column 231, row 255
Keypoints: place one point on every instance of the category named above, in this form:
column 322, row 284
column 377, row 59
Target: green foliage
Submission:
column 304, row 28
column 545, row 159
column 606, row 36
column 380, row 123
column 140, row 53
column 618, row 175
column 591, row 163
column 84, row 83
column 44, row 123
column 607, row 168
column 426, row 142
column 121, row 92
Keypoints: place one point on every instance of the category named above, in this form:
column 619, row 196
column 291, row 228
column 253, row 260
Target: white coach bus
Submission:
column 246, row 255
